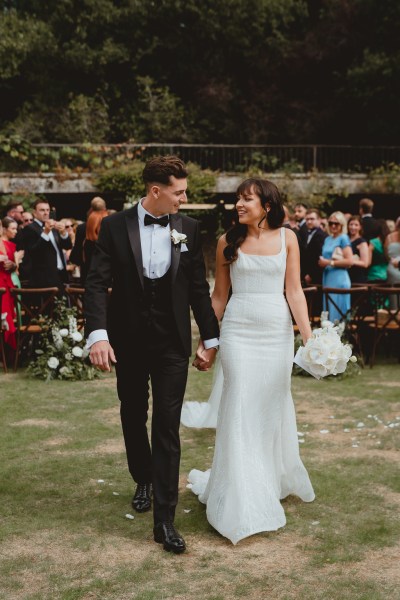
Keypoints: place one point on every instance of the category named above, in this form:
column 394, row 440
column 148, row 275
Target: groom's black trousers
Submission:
column 156, row 355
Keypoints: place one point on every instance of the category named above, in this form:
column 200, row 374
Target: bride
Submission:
column 256, row 460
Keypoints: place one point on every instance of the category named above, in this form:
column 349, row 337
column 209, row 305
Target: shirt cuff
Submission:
column 214, row 343
column 45, row 236
column 98, row 335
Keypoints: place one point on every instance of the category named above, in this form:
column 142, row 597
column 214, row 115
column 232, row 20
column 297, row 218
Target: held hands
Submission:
column 204, row 358
column 102, row 355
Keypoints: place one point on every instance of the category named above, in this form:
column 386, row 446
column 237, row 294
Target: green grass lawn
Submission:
column 65, row 493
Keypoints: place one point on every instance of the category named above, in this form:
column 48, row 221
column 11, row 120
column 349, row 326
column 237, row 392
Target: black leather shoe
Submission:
column 141, row 501
column 169, row 537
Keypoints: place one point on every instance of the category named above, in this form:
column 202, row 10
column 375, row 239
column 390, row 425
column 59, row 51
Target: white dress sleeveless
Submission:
column 256, row 459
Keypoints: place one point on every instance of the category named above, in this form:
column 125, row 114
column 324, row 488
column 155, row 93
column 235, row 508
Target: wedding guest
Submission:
column 15, row 210
column 359, row 245
column 377, row 272
column 44, row 242
column 92, row 233
column 300, row 210
column 312, row 272
column 7, row 266
column 324, row 223
column 391, row 225
column 27, row 219
column 76, row 256
column 10, row 231
column 337, row 257
column 370, row 225
column 392, row 251
column 286, row 220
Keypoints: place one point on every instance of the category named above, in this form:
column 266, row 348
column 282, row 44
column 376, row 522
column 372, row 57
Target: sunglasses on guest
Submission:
column 331, row 223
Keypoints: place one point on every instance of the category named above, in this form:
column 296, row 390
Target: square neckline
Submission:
column 283, row 247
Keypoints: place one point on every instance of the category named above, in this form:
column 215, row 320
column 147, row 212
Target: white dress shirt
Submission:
column 155, row 242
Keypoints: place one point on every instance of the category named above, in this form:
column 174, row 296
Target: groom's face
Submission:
column 168, row 198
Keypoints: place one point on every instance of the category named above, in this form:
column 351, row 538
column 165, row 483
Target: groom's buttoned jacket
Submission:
column 117, row 263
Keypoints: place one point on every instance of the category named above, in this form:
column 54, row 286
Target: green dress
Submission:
column 378, row 269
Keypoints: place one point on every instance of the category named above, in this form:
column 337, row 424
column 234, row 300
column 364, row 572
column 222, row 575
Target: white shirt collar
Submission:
column 142, row 211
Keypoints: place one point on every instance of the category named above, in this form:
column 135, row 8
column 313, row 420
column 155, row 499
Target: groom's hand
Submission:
column 102, row 355
column 204, row 358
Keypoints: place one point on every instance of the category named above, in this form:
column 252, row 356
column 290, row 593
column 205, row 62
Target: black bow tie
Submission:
column 149, row 220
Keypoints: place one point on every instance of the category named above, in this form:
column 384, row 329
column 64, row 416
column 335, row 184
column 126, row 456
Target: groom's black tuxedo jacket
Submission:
column 117, row 263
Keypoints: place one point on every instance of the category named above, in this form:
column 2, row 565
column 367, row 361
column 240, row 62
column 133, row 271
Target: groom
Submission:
column 151, row 257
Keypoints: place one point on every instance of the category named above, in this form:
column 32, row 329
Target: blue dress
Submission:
column 336, row 277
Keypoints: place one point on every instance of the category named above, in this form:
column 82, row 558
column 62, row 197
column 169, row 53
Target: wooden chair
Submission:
column 2, row 350
column 358, row 313
column 33, row 304
column 386, row 320
column 76, row 297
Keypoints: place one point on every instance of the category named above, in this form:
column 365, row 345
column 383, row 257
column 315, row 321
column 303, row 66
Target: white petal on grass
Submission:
column 300, row 433
column 187, row 510
column 360, row 425
column 301, row 441
column 128, row 516
column 347, row 430
column 314, row 522
column 189, row 486
column 115, row 494
column 324, row 430
column 100, row 481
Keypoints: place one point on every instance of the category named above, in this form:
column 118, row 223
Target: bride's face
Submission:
column 249, row 208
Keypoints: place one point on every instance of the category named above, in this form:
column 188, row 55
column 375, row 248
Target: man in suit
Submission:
column 151, row 257
column 44, row 241
column 370, row 225
column 312, row 272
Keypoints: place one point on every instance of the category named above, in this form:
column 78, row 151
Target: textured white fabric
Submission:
column 256, row 460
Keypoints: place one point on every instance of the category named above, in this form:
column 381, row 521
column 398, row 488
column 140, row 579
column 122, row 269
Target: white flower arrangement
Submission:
column 178, row 238
column 324, row 353
column 61, row 353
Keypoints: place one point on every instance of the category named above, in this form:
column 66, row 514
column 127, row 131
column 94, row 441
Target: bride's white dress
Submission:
column 256, row 459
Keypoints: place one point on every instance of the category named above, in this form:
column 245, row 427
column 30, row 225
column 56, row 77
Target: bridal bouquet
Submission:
column 61, row 353
column 324, row 353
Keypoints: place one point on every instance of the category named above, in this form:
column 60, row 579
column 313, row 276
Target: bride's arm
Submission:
column 294, row 292
column 219, row 296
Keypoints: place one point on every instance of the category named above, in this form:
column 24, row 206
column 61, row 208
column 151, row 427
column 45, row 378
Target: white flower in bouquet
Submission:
column 76, row 351
column 65, row 370
column 64, row 332
column 324, row 353
column 68, row 356
column 53, row 362
column 76, row 336
column 86, row 352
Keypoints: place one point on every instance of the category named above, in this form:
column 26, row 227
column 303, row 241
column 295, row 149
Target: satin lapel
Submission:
column 175, row 223
column 132, row 223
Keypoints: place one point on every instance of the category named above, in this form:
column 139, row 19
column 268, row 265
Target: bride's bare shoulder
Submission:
column 291, row 237
column 222, row 241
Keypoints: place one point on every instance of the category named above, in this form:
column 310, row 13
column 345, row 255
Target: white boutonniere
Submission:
column 178, row 238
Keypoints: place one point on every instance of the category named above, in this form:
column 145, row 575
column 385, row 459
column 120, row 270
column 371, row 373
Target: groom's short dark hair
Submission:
column 160, row 168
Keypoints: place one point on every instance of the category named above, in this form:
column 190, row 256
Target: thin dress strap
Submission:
column 283, row 239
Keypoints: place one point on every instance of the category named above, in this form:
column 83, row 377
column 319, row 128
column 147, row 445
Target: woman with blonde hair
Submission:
column 336, row 259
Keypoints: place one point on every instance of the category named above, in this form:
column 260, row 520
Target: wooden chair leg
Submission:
column 3, row 354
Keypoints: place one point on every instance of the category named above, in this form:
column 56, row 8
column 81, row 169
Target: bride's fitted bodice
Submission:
column 254, row 274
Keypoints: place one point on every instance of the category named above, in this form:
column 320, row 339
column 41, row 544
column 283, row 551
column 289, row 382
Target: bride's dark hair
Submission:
column 269, row 196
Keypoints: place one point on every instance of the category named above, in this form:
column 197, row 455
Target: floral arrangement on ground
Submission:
column 61, row 351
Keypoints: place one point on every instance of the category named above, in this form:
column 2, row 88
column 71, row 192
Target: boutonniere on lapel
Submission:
column 178, row 239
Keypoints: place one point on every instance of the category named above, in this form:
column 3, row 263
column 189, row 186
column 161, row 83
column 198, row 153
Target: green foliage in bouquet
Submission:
column 61, row 353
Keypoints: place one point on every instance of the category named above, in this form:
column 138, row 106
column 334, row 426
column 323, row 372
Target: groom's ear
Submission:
column 155, row 191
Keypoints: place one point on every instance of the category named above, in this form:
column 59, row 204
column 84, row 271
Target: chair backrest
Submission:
column 359, row 301
column 386, row 302
column 2, row 292
column 34, row 302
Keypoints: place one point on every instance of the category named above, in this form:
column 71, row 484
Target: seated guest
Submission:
column 392, row 251
column 311, row 271
column 92, row 234
column 7, row 266
column 359, row 245
column 44, row 242
column 377, row 272
column 337, row 257
column 27, row 219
